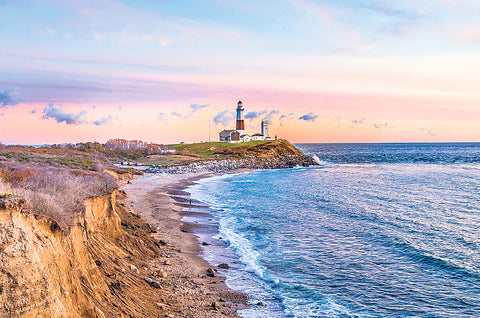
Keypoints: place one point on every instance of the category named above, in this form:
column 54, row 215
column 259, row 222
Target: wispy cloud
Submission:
column 255, row 114
column 177, row 115
column 162, row 117
column 224, row 117
column 285, row 117
column 309, row 117
column 60, row 116
column 9, row 97
column 103, row 121
column 358, row 121
column 270, row 115
column 380, row 125
column 196, row 107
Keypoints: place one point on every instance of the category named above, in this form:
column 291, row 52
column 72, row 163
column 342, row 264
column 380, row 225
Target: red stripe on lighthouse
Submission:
column 240, row 124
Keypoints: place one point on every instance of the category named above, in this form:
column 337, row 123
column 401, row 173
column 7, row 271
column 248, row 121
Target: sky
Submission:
column 169, row 70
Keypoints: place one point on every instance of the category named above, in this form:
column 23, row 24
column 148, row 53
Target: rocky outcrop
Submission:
column 82, row 272
column 279, row 162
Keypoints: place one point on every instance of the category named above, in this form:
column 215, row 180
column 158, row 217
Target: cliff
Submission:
column 85, row 272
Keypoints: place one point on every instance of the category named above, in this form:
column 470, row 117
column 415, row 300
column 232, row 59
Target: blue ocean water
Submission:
column 377, row 230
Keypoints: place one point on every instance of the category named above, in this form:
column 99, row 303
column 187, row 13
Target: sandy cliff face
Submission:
column 45, row 272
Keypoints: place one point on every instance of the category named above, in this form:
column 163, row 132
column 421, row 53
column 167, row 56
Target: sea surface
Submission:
column 377, row 230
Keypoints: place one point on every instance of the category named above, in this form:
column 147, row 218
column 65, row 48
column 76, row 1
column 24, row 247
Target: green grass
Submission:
column 73, row 159
column 207, row 149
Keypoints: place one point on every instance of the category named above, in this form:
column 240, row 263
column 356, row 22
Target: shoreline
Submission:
column 160, row 199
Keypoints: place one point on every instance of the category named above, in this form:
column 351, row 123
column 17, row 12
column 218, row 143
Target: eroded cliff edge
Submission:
column 85, row 272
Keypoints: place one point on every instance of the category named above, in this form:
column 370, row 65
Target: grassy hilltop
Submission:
column 195, row 152
column 223, row 150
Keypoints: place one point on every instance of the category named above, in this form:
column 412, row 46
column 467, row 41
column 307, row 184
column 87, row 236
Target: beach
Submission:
column 188, row 288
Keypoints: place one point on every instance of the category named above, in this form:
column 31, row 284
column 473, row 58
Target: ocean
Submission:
column 376, row 230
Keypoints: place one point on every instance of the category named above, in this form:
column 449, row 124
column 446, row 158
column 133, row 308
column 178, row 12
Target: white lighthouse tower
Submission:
column 240, row 120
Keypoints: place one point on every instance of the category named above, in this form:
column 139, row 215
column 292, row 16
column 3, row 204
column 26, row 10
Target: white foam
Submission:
column 243, row 248
column 317, row 160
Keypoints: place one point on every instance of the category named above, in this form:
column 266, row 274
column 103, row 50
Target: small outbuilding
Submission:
column 245, row 138
column 257, row 137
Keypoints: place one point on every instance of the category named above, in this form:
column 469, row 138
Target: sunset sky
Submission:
column 320, row 71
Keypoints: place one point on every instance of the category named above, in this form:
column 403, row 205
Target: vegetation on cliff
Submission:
column 223, row 150
column 55, row 182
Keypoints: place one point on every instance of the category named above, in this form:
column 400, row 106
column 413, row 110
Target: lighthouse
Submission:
column 240, row 121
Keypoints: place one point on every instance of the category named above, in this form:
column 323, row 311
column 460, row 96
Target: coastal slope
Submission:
column 88, row 271
column 72, row 244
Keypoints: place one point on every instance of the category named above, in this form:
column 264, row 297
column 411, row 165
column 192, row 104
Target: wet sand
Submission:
column 159, row 199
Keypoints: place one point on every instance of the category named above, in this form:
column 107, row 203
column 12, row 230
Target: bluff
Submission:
column 83, row 272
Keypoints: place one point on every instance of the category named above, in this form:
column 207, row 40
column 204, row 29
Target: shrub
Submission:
column 5, row 189
column 56, row 192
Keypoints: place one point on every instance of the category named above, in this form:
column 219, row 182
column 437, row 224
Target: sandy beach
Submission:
column 189, row 290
